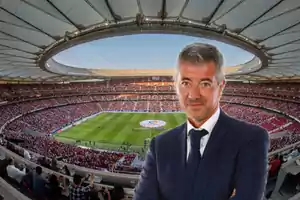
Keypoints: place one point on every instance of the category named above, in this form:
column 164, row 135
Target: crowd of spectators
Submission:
column 51, row 119
column 52, row 149
column 286, row 107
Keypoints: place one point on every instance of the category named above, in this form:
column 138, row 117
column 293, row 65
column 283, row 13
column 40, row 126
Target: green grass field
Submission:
column 110, row 130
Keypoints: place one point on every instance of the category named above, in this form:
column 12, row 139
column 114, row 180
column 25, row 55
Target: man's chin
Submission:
column 197, row 117
column 196, row 111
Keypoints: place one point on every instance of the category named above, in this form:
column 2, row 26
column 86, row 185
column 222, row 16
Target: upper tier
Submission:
column 19, row 92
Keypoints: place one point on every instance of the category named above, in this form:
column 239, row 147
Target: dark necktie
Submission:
column 195, row 155
column 194, row 158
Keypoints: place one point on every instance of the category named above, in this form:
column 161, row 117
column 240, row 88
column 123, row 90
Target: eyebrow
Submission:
column 203, row 79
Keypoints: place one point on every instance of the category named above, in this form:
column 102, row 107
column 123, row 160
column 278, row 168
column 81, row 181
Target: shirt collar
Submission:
column 208, row 125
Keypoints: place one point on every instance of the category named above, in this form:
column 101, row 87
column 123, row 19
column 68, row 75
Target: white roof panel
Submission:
column 14, row 52
column 124, row 8
column 101, row 8
column 151, row 8
column 199, row 10
column 241, row 13
column 76, row 9
column 285, row 48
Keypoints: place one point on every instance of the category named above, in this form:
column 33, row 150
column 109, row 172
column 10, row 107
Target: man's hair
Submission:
column 10, row 161
column 77, row 179
column 198, row 53
column 118, row 192
column 38, row 170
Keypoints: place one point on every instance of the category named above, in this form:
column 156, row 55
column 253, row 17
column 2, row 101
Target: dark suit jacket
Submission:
column 235, row 158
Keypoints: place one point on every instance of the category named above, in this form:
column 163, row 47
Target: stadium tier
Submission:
column 17, row 92
column 33, row 112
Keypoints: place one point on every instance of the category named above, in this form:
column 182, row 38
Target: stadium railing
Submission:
column 287, row 148
column 8, row 192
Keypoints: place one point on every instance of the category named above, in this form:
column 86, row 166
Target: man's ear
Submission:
column 223, row 83
column 176, row 88
column 175, row 83
column 222, row 86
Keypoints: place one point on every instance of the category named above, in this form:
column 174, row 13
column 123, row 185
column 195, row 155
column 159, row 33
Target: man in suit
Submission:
column 212, row 155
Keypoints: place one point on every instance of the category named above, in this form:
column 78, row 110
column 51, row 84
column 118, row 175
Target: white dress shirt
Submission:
column 208, row 126
column 15, row 173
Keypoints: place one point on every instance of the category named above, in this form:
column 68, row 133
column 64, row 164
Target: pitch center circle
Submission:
column 152, row 123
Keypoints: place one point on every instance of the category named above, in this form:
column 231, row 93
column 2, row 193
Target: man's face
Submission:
column 198, row 90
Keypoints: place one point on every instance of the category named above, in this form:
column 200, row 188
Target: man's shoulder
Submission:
column 39, row 178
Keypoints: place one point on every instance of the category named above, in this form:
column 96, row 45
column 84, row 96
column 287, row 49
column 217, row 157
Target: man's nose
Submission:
column 194, row 92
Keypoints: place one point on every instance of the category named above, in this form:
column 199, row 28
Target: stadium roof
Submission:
column 32, row 31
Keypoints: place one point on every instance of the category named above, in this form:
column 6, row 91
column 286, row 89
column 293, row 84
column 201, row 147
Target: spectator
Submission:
column 294, row 154
column 27, row 181
column 39, row 184
column 27, row 155
column 54, row 165
column 104, row 194
column 66, row 170
column 79, row 192
column 275, row 165
column 13, row 172
column 54, row 190
column 117, row 193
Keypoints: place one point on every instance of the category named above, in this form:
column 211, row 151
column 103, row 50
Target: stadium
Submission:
column 100, row 121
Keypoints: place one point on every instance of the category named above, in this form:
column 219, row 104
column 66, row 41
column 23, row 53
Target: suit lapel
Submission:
column 180, row 163
column 183, row 147
column 218, row 132
column 178, row 152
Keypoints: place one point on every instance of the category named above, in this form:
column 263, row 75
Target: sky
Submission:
column 141, row 51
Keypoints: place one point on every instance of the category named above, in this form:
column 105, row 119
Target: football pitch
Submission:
column 112, row 130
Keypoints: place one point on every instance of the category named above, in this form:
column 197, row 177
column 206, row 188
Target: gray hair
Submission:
column 198, row 53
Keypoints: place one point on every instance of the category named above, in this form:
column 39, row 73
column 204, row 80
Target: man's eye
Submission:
column 205, row 84
column 185, row 83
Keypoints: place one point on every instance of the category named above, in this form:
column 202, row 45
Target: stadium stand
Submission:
column 42, row 109
column 59, row 111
